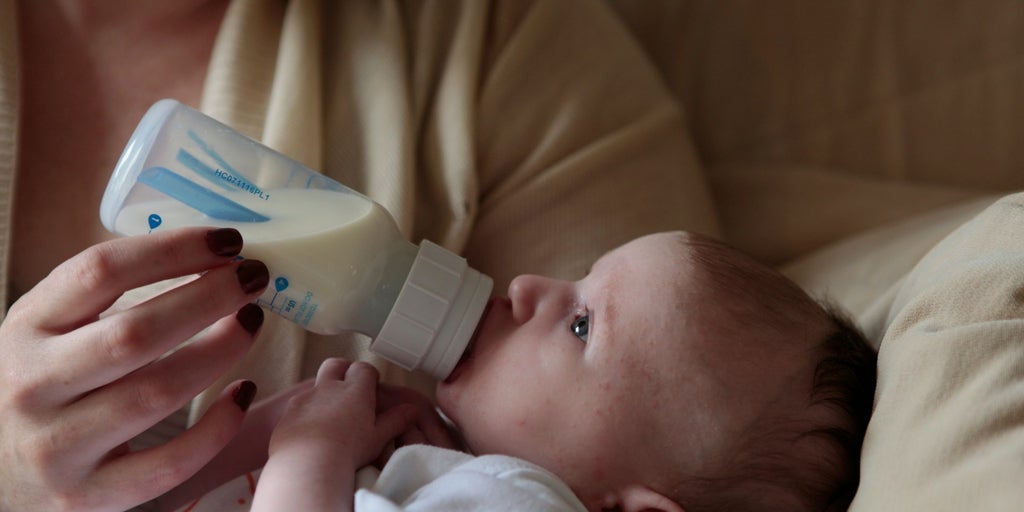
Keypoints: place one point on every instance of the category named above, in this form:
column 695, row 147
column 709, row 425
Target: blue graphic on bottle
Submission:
column 298, row 310
column 280, row 284
column 154, row 221
column 201, row 166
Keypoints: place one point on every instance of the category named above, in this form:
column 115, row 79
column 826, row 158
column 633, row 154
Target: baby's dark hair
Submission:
column 807, row 459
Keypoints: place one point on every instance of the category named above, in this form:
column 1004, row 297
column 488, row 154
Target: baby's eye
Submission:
column 581, row 327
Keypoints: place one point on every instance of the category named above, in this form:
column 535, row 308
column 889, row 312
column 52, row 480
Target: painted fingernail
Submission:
column 250, row 317
column 224, row 241
column 244, row 394
column 253, row 275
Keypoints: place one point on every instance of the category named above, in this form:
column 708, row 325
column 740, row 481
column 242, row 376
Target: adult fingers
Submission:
column 114, row 346
column 141, row 476
column 144, row 397
column 246, row 452
column 87, row 284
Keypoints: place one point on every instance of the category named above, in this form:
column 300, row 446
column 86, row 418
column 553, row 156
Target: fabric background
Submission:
column 530, row 136
column 946, row 429
column 840, row 141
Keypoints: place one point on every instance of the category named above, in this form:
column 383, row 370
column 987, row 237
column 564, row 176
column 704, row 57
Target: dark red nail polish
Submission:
column 250, row 317
column 244, row 394
column 224, row 241
column 253, row 275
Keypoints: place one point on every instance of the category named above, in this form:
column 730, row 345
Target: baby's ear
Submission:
column 640, row 498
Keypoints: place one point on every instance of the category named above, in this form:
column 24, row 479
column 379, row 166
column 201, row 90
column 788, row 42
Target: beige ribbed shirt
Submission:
column 529, row 136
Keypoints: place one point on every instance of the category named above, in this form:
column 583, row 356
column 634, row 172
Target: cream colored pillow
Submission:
column 862, row 273
column 948, row 426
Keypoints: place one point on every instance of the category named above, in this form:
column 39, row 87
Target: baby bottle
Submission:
column 337, row 260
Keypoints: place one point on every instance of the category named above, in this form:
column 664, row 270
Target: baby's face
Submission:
column 577, row 376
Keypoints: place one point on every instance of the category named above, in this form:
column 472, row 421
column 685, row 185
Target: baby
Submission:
column 679, row 374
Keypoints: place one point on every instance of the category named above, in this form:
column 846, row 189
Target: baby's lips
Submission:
column 467, row 354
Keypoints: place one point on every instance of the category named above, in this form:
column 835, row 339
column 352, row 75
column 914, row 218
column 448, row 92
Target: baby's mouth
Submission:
column 467, row 354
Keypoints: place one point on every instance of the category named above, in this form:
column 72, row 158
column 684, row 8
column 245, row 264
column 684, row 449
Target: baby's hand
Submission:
column 428, row 426
column 337, row 420
column 326, row 434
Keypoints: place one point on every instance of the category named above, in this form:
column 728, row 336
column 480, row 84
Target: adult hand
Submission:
column 76, row 385
column 246, row 452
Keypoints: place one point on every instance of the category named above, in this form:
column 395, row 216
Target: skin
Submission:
column 325, row 436
column 660, row 385
column 89, row 70
column 69, row 390
column 654, row 382
column 78, row 381
column 345, row 420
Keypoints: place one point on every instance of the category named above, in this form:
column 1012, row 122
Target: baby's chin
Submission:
column 444, row 395
column 448, row 406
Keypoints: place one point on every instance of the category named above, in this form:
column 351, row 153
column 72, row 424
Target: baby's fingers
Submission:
column 430, row 429
column 332, row 369
column 364, row 376
column 393, row 423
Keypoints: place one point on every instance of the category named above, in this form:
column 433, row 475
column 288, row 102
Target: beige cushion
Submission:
column 862, row 273
column 948, row 426
column 777, row 212
column 914, row 91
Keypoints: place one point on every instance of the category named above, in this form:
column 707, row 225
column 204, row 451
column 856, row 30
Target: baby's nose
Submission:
column 525, row 292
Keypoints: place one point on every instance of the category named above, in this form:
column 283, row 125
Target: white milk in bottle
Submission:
column 328, row 254
column 337, row 261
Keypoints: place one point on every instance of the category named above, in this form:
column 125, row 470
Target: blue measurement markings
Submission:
column 287, row 303
column 154, row 221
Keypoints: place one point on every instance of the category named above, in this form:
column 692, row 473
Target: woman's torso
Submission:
column 84, row 86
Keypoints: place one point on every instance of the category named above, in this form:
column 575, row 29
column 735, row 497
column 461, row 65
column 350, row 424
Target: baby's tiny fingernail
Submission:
column 224, row 241
column 250, row 317
column 244, row 394
column 253, row 275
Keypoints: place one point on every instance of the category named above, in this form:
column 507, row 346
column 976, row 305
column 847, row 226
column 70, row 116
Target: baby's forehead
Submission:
column 663, row 255
column 717, row 291
column 716, row 266
column 674, row 283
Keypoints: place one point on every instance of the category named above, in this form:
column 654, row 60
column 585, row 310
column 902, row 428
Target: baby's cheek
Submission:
column 511, row 427
column 639, row 382
column 527, row 421
column 591, row 478
column 599, row 469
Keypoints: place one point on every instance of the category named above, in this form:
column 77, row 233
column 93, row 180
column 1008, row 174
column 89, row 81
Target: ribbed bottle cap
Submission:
column 435, row 314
